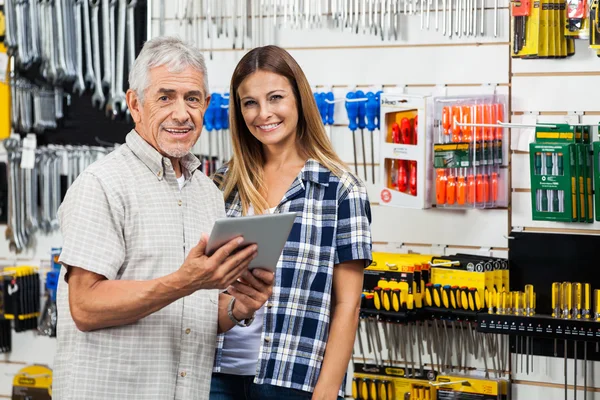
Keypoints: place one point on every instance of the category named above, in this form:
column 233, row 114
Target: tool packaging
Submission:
column 561, row 170
column 404, row 151
column 468, row 152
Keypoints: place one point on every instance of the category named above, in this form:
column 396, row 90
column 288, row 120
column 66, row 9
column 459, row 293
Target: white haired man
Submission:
column 139, row 306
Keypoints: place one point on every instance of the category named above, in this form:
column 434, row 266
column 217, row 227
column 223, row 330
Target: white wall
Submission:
column 420, row 62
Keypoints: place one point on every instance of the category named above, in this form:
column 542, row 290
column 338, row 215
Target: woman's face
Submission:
column 269, row 108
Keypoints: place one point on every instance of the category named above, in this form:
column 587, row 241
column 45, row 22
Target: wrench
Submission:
column 62, row 71
column 35, row 30
column 106, row 38
column 117, row 101
column 15, row 245
column 113, row 86
column 98, row 95
column 89, row 77
column 131, row 33
column 79, row 85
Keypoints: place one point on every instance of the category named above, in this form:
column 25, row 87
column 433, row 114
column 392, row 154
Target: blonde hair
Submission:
column 245, row 169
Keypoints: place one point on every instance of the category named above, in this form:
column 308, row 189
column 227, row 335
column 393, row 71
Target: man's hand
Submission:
column 251, row 292
column 217, row 271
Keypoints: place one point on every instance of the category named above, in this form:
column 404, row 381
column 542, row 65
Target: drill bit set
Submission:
column 468, row 152
column 561, row 174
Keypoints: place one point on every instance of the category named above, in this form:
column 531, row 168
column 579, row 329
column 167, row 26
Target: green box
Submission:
column 553, row 181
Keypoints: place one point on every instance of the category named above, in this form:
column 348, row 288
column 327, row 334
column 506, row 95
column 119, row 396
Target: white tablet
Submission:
column 269, row 232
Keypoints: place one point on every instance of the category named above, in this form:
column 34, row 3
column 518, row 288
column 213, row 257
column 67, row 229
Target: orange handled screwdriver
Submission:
column 395, row 133
column 479, row 120
column 451, row 189
column 471, row 190
column 440, row 186
column 456, row 118
column 461, row 188
column 446, row 121
column 402, row 176
column 499, row 108
column 494, row 185
column 405, row 131
column 479, row 185
column 413, row 178
column 466, row 119
column 488, row 117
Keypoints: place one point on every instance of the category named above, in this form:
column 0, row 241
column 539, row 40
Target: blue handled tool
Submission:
column 372, row 107
column 225, row 123
column 352, row 111
column 362, row 124
column 320, row 97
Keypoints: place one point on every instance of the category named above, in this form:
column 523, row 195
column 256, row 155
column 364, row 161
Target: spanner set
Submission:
column 37, row 179
column 67, row 47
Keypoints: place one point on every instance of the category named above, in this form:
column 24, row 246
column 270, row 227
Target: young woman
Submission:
column 299, row 344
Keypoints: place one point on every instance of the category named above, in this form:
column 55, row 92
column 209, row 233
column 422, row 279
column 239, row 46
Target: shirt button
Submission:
column 269, row 305
column 159, row 174
column 183, row 374
column 188, row 330
column 267, row 339
column 179, row 203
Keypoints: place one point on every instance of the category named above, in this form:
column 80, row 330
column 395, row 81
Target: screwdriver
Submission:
column 355, row 388
column 412, row 182
column 440, row 186
column 352, row 112
column 371, row 112
column 461, row 190
column 556, row 312
column 362, row 124
column 446, row 296
column 549, row 171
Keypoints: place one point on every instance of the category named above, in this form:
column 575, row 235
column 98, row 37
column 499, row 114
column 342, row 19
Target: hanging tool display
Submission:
column 21, row 297
column 256, row 23
column 572, row 318
column 56, row 52
column 35, row 173
column 214, row 147
column 403, row 148
column 417, row 326
column 468, row 152
column 561, row 174
column 545, row 29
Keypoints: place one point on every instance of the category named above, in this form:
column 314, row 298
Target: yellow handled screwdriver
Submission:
column 577, row 299
column 396, row 299
column 386, row 298
column 529, row 300
column 567, row 300
column 587, row 307
column 556, row 313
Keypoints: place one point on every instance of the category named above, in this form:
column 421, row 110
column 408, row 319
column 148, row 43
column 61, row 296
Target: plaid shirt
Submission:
column 333, row 227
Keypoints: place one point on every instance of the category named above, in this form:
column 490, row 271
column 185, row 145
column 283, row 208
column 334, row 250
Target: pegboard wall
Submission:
column 421, row 61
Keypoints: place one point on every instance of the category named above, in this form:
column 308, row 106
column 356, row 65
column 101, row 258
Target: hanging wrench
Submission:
column 98, row 96
column 106, row 37
column 62, row 70
column 79, row 85
column 131, row 32
column 117, row 101
column 89, row 77
column 15, row 244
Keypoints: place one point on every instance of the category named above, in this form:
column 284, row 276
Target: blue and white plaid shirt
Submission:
column 333, row 226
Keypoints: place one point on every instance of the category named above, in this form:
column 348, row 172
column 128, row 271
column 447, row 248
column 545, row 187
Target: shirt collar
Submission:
column 314, row 172
column 156, row 161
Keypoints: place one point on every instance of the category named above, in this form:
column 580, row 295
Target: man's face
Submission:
column 171, row 114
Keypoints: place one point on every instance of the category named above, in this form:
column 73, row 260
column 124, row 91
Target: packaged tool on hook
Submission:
column 404, row 151
column 468, row 152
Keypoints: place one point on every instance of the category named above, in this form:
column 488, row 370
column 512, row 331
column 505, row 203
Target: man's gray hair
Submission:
column 165, row 50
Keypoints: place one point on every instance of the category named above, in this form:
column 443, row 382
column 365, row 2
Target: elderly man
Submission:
column 140, row 306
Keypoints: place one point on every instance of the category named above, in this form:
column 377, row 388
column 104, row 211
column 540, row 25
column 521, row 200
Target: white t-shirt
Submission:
column 181, row 181
column 241, row 345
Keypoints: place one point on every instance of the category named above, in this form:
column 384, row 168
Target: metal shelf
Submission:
column 543, row 326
